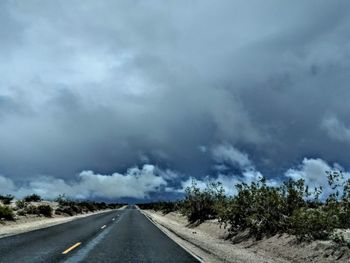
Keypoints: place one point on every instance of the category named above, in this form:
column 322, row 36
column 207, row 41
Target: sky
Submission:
column 132, row 100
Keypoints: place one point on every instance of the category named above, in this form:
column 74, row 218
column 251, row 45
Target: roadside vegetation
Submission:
column 71, row 207
column 263, row 210
column 11, row 209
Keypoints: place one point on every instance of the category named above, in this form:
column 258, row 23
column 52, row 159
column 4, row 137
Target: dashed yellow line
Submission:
column 71, row 248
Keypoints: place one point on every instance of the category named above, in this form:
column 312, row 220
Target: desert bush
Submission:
column 45, row 210
column 31, row 209
column 198, row 205
column 310, row 223
column 168, row 207
column 32, row 198
column 259, row 208
column 21, row 212
column 114, row 205
column 6, row 212
column 21, row 204
column 294, row 195
column 83, row 206
column 268, row 210
column 100, row 205
column 87, row 206
column 72, row 207
column 339, row 202
column 62, row 200
column 6, row 199
column 264, row 210
column 65, row 210
column 77, row 209
column 164, row 206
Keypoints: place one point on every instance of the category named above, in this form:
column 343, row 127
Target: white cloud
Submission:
column 135, row 183
column 228, row 181
column 313, row 171
column 227, row 154
column 336, row 129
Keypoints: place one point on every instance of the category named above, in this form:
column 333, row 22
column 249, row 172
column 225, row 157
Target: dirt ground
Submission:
column 209, row 242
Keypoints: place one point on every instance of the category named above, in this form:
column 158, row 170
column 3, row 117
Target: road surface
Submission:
column 116, row 236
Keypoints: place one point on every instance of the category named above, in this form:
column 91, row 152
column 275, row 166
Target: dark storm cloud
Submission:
column 105, row 86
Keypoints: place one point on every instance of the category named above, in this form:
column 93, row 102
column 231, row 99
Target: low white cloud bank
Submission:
column 312, row 170
column 135, row 183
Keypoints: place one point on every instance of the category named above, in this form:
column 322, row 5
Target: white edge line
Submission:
column 186, row 249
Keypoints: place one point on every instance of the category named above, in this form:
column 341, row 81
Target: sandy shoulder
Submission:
column 208, row 242
column 29, row 223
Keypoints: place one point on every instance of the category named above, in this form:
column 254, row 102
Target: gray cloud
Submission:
column 336, row 129
column 105, row 86
column 228, row 154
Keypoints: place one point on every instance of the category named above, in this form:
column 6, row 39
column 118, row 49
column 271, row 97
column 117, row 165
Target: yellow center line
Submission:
column 71, row 248
column 103, row 226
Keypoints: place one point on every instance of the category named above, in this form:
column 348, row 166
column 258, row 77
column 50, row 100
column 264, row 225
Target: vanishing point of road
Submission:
column 116, row 236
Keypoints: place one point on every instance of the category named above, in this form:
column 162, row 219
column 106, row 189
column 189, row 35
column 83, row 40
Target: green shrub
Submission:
column 257, row 207
column 168, row 207
column 114, row 206
column 71, row 207
column 164, row 207
column 31, row 209
column 100, row 205
column 198, row 205
column 265, row 210
column 77, row 209
column 21, row 212
column 32, row 198
column 310, row 223
column 21, row 204
column 6, row 212
column 45, row 210
column 87, row 206
column 62, row 200
column 65, row 210
column 6, row 199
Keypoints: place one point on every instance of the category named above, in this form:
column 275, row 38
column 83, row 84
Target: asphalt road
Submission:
column 116, row 236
